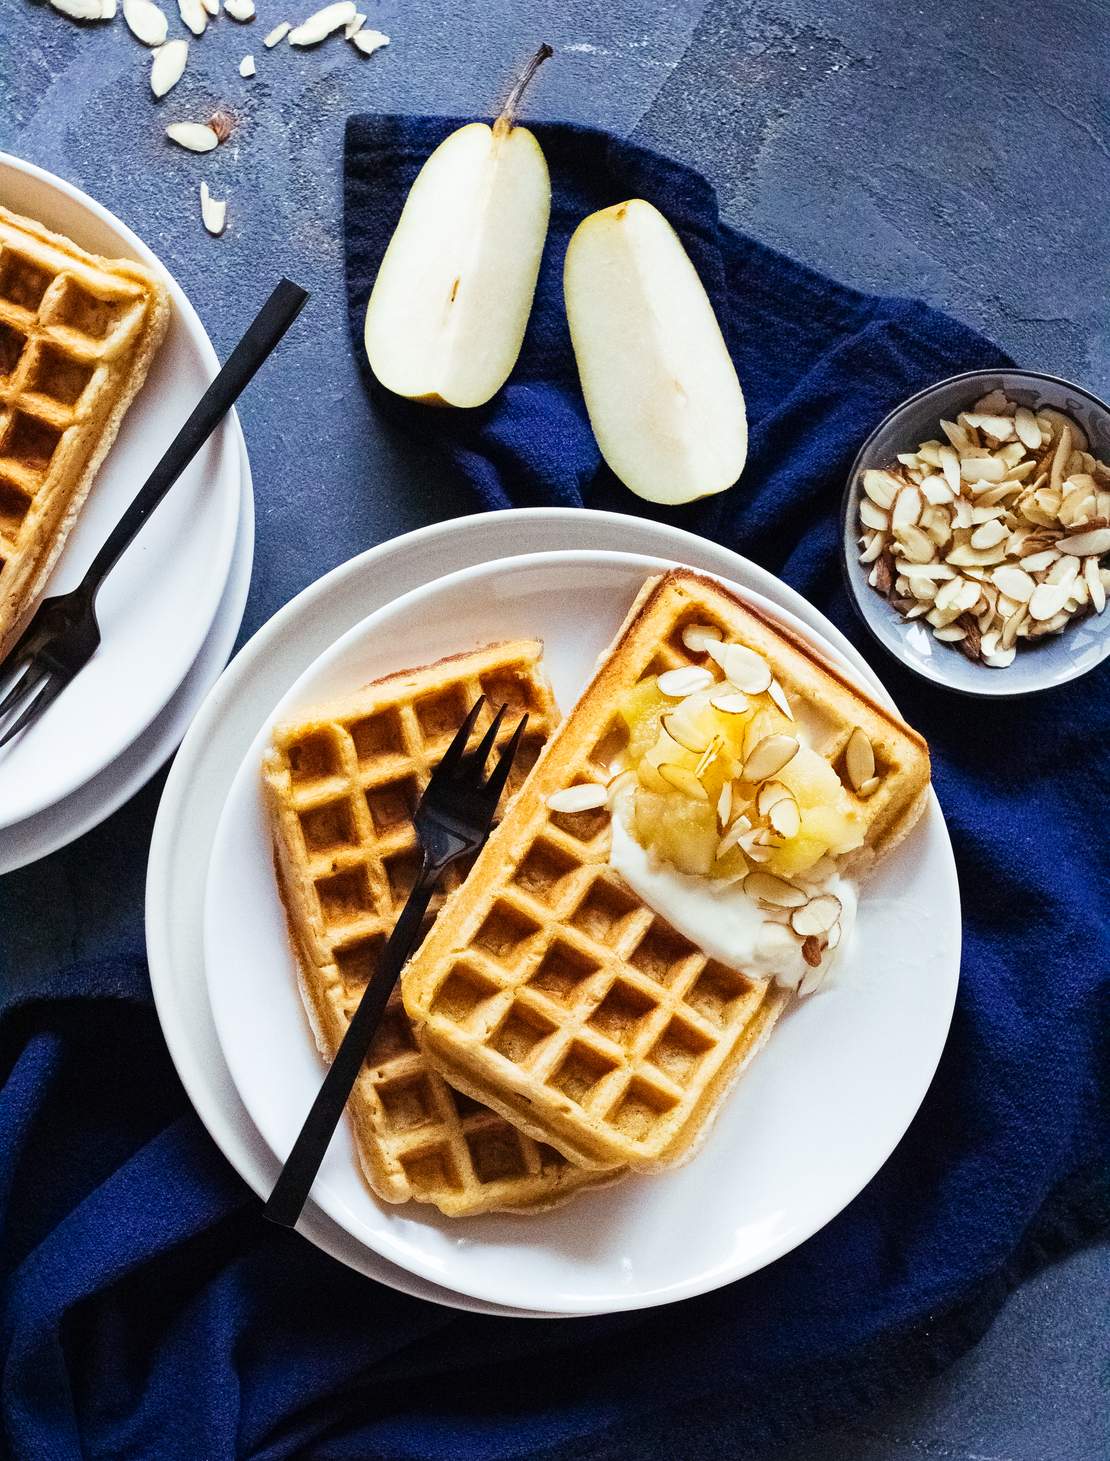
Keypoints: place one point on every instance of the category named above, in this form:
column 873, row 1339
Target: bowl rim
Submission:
column 848, row 496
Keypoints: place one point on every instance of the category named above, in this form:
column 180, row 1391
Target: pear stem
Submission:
column 507, row 118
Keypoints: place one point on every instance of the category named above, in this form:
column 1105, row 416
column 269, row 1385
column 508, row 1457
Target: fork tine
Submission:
column 38, row 706
column 479, row 757
column 500, row 773
column 31, row 678
column 453, row 755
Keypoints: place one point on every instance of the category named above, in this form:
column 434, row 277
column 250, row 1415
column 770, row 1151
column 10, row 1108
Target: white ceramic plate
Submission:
column 158, row 605
column 817, row 1115
column 210, row 755
column 59, row 825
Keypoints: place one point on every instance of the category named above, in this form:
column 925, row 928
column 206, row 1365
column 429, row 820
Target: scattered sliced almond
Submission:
column 582, row 798
column 686, row 680
column 768, row 757
column 742, row 667
column 696, row 636
column 213, row 211
column 277, row 35
column 708, row 756
column 241, row 10
column 778, row 696
column 145, row 21
column 193, row 15
column 353, row 26
column 724, row 805
column 622, row 782
column 772, row 890
column 194, row 136
column 785, row 818
column 82, row 9
column 729, row 701
column 683, row 733
column 167, row 65
column 1086, row 545
column 817, row 916
column 859, row 758
column 247, row 67
column 322, row 23
column 369, row 41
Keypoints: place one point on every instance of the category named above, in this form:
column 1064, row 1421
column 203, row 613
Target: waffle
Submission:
column 551, row 991
column 77, row 335
column 341, row 785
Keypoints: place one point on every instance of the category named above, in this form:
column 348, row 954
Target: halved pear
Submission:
column 664, row 400
column 451, row 301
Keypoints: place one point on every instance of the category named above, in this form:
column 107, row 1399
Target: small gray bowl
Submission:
column 1051, row 661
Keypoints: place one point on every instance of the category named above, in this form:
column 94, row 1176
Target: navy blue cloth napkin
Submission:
column 149, row 1311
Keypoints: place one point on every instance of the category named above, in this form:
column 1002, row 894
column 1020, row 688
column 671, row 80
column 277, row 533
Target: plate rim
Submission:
column 330, row 1201
column 230, row 435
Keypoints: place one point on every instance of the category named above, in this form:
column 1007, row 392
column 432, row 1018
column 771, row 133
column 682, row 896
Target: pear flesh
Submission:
column 451, row 301
column 664, row 400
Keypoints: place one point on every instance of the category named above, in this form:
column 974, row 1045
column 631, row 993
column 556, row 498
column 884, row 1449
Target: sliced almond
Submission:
column 247, row 67
column 193, row 15
column 916, row 545
column 982, row 469
column 680, row 730
column 778, row 696
column 323, row 23
column 241, row 10
column 785, row 817
column 882, row 488
column 1084, row 545
column 869, row 788
column 872, row 516
column 817, row 916
column 1094, row 585
column 167, row 65
column 213, row 211
column 742, row 667
column 859, row 758
column 1047, row 600
column 369, row 41
column 989, row 534
column 708, row 756
column 729, row 701
column 1037, row 562
column 277, row 35
column 145, row 21
column 193, row 136
column 683, row 780
column 1025, row 424
column 353, row 26
column 769, row 793
column 950, row 466
column 950, row 633
column 936, row 491
column 775, row 891
column 768, row 757
column 582, row 798
column 907, row 508
column 686, row 680
column 696, row 636
column 1015, row 582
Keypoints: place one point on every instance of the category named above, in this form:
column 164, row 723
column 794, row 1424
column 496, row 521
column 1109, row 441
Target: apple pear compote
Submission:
column 727, row 822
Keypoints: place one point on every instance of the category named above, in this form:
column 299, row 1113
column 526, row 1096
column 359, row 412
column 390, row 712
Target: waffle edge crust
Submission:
column 548, row 990
column 77, row 337
column 340, row 787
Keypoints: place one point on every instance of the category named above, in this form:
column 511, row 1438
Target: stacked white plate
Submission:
column 811, row 1122
column 170, row 611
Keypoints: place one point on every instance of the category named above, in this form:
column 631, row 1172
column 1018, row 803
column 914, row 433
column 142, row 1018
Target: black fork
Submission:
column 453, row 820
column 63, row 635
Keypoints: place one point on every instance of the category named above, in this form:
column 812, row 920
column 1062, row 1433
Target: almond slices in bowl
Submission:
column 992, row 533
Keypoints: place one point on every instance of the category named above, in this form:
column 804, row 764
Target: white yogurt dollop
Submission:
column 720, row 917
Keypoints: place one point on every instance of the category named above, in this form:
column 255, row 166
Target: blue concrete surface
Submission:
column 955, row 152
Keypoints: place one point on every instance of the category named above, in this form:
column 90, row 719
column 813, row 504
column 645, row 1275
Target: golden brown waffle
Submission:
column 342, row 784
column 549, row 990
column 77, row 335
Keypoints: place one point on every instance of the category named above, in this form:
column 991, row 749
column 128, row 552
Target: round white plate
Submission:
column 811, row 1123
column 158, row 605
column 219, row 736
column 98, row 798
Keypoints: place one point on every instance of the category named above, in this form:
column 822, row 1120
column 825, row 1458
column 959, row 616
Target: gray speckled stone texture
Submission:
column 956, row 152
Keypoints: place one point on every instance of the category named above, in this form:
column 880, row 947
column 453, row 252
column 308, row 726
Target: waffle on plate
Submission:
column 548, row 989
column 77, row 335
column 341, row 785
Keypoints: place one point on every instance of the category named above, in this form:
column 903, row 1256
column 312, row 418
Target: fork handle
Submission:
column 303, row 1162
column 262, row 335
